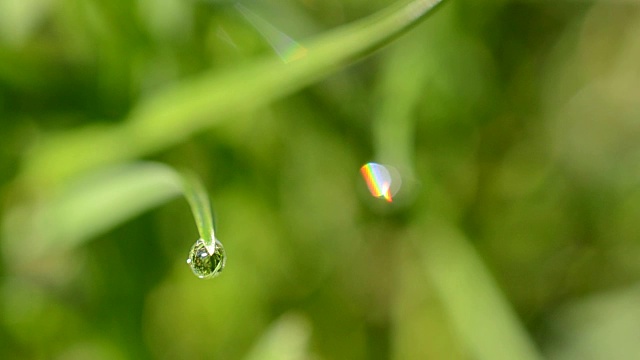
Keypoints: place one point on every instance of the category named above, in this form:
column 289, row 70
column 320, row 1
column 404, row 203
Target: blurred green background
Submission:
column 515, row 126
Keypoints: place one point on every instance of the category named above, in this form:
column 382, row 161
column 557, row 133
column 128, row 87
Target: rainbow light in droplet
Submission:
column 378, row 180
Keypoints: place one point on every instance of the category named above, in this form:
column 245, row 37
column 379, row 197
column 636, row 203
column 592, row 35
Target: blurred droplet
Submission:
column 207, row 261
column 287, row 49
column 382, row 181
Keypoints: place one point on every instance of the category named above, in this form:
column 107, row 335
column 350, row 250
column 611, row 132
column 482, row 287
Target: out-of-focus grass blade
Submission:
column 402, row 79
column 601, row 326
column 193, row 105
column 287, row 339
column 479, row 313
column 96, row 204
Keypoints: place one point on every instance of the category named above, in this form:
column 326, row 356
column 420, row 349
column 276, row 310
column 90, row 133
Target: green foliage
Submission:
column 512, row 125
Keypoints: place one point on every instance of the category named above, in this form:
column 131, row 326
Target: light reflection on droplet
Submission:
column 287, row 49
column 382, row 182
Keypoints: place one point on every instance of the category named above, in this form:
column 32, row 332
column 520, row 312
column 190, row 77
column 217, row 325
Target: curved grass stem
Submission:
column 191, row 106
column 95, row 204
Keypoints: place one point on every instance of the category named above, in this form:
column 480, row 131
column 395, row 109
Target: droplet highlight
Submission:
column 378, row 180
column 205, row 261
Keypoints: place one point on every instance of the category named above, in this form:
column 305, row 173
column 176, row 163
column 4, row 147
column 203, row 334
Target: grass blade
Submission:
column 481, row 316
column 193, row 105
column 198, row 199
column 96, row 204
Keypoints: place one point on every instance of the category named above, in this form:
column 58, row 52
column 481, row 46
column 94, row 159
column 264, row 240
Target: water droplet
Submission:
column 207, row 261
column 382, row 181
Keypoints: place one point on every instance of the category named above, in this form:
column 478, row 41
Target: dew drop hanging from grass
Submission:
column 207, row 257
column 207, row 261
